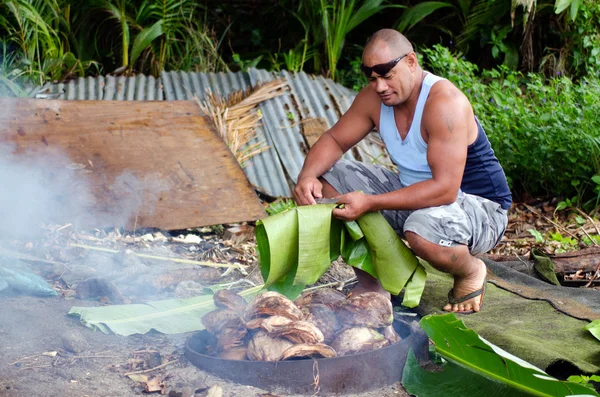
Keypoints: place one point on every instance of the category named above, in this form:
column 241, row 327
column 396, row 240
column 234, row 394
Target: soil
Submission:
column 30, row 327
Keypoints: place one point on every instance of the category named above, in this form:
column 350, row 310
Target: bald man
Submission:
column 449, row 198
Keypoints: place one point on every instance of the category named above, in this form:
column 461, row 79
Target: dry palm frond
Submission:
column 236, row 120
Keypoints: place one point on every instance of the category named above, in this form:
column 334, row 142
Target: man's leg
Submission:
column 366, row 282
column 469, row 272
column 450, row 236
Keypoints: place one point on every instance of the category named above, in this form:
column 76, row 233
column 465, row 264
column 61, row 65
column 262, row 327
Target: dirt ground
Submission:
column 30, row 327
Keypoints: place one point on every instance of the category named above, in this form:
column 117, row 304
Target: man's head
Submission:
column 391, row 66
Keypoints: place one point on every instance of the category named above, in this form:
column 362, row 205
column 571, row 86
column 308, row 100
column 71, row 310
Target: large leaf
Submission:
column 144, row 39
column 393, row 261
column 594, row 328
column 297, row 246
column 314, row 227
column 169, row 316
column 477, row 368
column 418, row 12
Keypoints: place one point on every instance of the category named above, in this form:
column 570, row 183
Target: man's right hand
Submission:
column 307, row 189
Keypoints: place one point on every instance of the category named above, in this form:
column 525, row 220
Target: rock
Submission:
column 96, row 288
column 73, row 342
column 188, row 288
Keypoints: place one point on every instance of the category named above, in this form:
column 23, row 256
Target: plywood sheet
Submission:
column 134, row 164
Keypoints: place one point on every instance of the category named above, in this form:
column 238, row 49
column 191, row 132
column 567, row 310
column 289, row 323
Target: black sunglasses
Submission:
column 381, row 69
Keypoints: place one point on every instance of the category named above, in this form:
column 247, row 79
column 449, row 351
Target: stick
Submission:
column 64, row 227
column 551, row 221
column 145, row 371
column 592, row 222
column 163, row 258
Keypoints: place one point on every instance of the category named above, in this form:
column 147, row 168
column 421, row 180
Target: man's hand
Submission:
column 355, row 204
column 307, row 189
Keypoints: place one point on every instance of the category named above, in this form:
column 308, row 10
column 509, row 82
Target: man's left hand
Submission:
column 355, row 204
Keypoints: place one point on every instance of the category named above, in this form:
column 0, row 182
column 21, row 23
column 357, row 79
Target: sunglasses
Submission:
column 381, row 69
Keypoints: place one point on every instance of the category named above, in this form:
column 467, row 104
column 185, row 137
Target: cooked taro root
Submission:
column 237, row 353
column 263, row 347
column 231, row 338
column 391, row 335
column 324, row 318
column 357, row 339
column 298, row 332
column 306, row 350
column 225, row 299
column 272, row 303
column 219, row 319
column 274, row 323
column 325, row 296
column 369, row 309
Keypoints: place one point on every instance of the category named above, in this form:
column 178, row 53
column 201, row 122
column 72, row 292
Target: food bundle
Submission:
column 320, row 323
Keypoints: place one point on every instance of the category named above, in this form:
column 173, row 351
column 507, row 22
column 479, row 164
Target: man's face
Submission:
column 393, row 84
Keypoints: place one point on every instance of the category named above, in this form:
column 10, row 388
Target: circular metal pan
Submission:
column 355, row 373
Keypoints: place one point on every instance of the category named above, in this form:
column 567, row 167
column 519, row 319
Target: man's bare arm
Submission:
column 353, row 126
column 445, row 120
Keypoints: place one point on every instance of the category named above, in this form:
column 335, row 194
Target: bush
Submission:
column 546, row 134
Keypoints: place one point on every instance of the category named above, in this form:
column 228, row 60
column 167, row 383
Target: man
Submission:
column 450, row 198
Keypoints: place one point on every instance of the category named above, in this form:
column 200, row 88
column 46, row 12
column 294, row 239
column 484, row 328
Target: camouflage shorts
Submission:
column 471, row 220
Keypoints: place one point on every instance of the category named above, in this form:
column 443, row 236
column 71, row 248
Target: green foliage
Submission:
column 545, row 134
column 418, row 12
column 331, row 21
column 41, row 30
column 584, row 380
column 476, row 367
column 280, row 205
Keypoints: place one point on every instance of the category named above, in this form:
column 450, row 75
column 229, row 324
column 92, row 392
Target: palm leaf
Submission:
column 477, row 368
column 144, row 39
column 484, row 13
column 417, row 13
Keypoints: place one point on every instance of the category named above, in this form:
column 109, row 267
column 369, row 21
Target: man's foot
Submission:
column 470, row 284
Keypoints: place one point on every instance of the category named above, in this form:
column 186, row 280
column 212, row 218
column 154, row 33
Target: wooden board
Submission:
column 137, row 164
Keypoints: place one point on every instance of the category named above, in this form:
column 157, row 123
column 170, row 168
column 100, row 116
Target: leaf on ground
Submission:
column 171, row 316
column 476, row 367
column 594, row 328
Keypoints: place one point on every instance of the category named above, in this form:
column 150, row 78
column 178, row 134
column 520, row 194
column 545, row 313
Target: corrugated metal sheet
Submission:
column 109, row 88
column 273, row 171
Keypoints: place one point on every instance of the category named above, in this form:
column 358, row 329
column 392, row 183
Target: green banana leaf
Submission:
column 296, row 247
column 594, row 328
column 475, row 367
column 171, row 316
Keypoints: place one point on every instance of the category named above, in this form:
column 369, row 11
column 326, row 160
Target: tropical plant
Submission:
column 546, row 133
column 474, row 366
column 41, row 29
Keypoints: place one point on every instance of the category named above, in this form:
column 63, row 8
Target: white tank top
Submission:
column 410, row 154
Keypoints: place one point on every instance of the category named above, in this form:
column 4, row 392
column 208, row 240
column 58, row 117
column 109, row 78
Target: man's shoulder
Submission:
column 367, row 101
column 444, row 95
